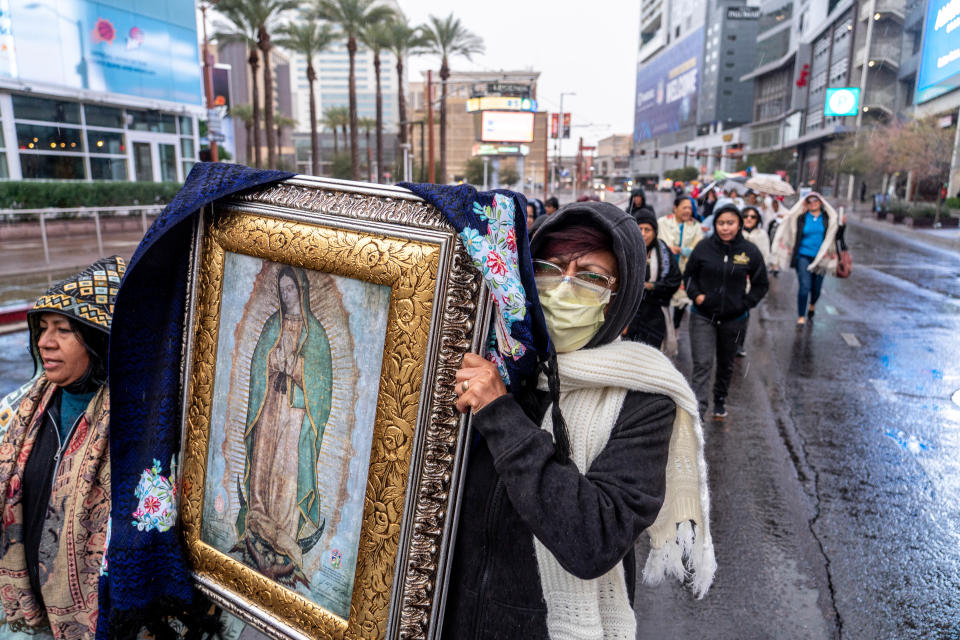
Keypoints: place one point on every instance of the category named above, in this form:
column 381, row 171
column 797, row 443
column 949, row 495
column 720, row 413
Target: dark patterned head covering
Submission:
column 86, row 297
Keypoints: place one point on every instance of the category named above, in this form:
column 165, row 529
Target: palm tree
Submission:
column 331, row 120
column 283, row 122
column 308, row 38
column 351, row 16
column 366, row 124
column 244, row 31
column 244, row 113
column 448, row 37
column 343, row 117
column 376, row 36
column 404, row 41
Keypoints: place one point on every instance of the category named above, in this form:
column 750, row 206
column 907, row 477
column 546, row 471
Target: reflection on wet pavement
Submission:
column 837, row 473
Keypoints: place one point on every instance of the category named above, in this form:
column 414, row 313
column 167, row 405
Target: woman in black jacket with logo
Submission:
column 716, row 281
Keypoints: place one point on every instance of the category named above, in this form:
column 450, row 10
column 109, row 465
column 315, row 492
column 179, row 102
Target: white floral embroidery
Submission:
column 157, row 495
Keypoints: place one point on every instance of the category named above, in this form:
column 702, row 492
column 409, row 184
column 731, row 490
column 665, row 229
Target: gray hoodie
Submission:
column 628, row 247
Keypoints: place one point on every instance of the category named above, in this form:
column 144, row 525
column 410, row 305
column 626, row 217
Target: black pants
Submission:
column 713, row 341
column 743, row 334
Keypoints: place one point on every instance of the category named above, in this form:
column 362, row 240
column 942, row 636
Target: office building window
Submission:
column 154, row 121
column 4, row 172
column 46, row 110
column 50, row 166
column 106, row 142
column 57, row 138
column 100, row 116
column 108, row 168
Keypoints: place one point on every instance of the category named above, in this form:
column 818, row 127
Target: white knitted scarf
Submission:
column 593, row 385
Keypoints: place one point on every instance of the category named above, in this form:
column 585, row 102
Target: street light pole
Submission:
column 208, row 83
column 560, row 135
column 868, row 44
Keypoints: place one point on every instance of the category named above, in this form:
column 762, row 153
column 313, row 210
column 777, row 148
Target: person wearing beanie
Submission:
column 54, row 462
column 564, row 476
column 716, row 280
column 649, row 326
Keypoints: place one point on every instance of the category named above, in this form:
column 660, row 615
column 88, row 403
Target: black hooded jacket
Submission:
column 649, row 325
column 630, row 208
column 516, row 490
column 719, row 270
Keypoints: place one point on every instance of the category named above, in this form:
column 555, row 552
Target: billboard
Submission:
column 940, row 57
column 104, row 46
column 502, row 103
column 506, row 126
column 667, row 89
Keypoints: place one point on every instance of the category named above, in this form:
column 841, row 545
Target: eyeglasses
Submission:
column 751, row 217
column 589, row 285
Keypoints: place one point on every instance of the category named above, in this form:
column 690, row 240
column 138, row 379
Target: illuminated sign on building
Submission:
column 842, row 102
column 940, row 57
column 501, row 103
column 500, row 149
column 506, row 126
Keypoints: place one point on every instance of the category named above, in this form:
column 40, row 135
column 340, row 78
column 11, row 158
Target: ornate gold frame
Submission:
column 417, row 448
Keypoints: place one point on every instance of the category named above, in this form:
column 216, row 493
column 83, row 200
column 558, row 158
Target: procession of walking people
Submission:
column 711, row 256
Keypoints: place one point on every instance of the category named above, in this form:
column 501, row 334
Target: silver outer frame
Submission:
column 423, row 223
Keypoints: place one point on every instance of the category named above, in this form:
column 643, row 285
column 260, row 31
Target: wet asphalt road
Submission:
column 835, row 480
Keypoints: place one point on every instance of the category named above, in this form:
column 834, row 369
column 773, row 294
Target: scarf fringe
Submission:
column 169, row 619
column 688, row 558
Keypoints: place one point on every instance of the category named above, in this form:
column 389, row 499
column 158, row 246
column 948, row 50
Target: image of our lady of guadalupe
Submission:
column 289, row 404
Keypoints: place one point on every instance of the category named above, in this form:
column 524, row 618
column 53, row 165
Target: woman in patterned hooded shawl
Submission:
column 54, row 463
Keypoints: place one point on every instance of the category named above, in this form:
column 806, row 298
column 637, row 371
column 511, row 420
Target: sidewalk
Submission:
column 24, row 257
column 862, row 214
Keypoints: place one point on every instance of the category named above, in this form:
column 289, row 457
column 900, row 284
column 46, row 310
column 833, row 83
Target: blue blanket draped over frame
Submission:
column 148, row 576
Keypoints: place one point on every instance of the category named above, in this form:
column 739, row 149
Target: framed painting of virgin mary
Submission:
column 321, row 441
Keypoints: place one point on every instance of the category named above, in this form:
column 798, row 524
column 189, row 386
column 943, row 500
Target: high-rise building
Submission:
column 690, row 102
column 235, row 54
column 332, row 90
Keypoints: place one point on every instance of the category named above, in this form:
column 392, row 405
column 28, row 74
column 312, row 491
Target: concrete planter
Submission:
column 895, row 218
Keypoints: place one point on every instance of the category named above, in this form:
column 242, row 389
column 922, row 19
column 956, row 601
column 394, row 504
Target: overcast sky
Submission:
column 585, row 47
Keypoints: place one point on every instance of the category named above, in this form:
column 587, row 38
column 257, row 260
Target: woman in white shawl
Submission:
column 806, row 241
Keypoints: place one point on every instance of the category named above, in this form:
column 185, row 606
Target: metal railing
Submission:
column 75, row 213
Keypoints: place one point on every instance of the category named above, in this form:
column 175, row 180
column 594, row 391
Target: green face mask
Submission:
column 572, row 318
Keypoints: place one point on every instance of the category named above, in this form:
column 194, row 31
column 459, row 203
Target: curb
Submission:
column 944, row 242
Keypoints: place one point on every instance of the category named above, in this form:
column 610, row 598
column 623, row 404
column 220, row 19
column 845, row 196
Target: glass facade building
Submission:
column 101, row 90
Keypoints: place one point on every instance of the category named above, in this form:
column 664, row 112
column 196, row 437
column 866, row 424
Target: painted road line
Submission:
column 883, row 389
column 851, row 340
column 832, row 310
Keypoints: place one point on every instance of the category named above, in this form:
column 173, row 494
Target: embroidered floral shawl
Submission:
column 75, row 528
